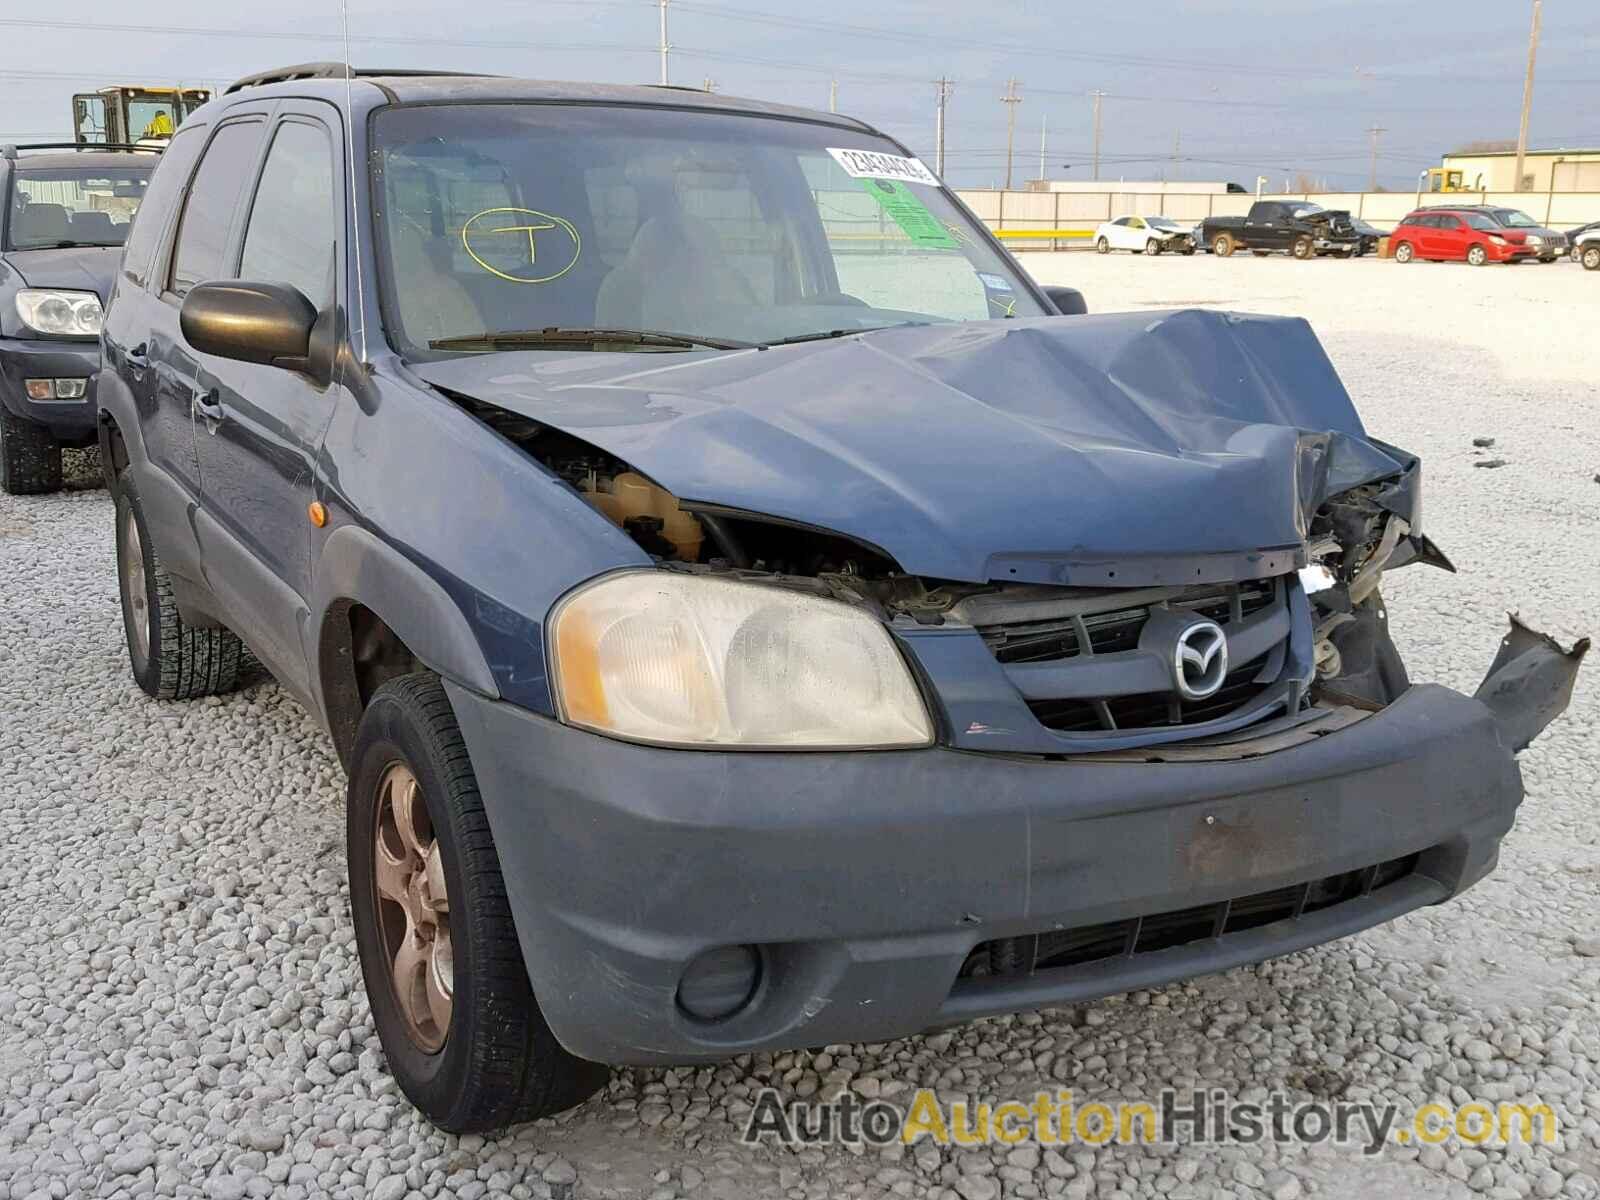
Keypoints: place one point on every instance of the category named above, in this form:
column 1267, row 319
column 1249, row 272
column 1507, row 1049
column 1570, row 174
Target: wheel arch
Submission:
column 380, row 615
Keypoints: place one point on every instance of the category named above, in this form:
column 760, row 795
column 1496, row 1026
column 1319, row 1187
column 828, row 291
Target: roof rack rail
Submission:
column 9, row 150
column 331, row 70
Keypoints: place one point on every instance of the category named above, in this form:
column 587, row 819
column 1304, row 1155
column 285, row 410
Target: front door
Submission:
column 258, row 427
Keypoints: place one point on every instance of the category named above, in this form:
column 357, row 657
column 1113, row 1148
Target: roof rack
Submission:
column 331, row 70
column 10, row 151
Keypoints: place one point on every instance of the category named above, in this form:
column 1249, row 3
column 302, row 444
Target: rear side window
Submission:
column 165, row 186
column 291, row 234
column 203, row 234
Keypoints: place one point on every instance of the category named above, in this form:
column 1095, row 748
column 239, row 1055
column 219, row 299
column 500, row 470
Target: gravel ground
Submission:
column 181, row 1011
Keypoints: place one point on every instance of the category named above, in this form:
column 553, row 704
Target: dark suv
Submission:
column 63, row 217
column 751, row 615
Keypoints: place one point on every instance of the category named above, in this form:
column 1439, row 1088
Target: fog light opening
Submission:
column 40, row 389
column 719, row 983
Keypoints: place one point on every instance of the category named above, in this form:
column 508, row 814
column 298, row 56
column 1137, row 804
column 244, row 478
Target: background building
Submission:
column 1494, row 170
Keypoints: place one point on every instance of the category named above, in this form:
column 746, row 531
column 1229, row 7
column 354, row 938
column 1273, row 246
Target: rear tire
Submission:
column 170, row 660
column 492, row 1060
column 1403, row 253
column 1477, row 256
column 1102, row 246
column 1304, row 248
column 1222, row 247
column 30, row 459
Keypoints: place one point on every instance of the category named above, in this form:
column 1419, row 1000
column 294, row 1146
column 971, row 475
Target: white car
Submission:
column 1586, row 249
column 1143, row 235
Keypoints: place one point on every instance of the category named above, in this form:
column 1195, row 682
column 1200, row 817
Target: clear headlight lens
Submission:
column 60, row 313
column 685, row 660
column 1535, row 240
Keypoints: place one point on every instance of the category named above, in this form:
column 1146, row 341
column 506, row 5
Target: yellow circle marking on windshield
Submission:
column 514, row 229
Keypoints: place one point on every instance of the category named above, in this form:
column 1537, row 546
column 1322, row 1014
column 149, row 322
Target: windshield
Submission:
column 1513, row 219
column 73, row 207
column 524, row 217
column 1306, row 210
column 1163, row 223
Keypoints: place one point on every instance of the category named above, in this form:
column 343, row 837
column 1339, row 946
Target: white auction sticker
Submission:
column 869, row 164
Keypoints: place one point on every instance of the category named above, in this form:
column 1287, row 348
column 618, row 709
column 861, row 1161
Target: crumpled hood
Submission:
column 1120, row 449
column 80, row 268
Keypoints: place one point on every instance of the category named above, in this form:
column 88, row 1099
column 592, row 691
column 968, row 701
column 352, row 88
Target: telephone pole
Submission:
column 1010, row 100
column 833, row 95
column 1177, row 150
column 1044, row 124
column 1098, row 95
column 1376, row 131
column 1527, row 95
column 943, row 85
column 666, row 46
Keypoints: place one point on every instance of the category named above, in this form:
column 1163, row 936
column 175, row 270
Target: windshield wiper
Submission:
column 823, row 335
column 558, row 336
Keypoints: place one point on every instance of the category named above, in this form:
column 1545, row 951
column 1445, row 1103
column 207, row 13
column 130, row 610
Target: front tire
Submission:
column 1477, row 256
column 1403, row 253
column 1152, row 247
column 1591, row 258
column 30, row 459
column 1102, row 246
column 170, row 659
column 1304, row 248
column 439, row 953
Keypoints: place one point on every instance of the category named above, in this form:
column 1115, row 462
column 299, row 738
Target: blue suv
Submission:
column 752, row 613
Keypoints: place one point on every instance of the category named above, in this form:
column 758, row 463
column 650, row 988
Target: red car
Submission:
column 1446, row 234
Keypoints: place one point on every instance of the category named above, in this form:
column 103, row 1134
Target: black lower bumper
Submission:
column 69, row 421
column 865, row 880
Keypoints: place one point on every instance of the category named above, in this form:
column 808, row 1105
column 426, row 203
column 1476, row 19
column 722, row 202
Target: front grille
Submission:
column 1149, row 710
column 1163, row 931
column 1046, row 641
column 1086, row 635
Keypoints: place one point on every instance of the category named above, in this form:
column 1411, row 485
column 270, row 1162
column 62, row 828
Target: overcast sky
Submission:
column 1244, row 87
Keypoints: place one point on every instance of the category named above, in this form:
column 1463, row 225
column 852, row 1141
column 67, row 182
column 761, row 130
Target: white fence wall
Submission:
column 1071, row 216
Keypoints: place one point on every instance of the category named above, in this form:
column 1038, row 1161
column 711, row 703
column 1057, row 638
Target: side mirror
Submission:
column 267, row 323
column 1069, row 302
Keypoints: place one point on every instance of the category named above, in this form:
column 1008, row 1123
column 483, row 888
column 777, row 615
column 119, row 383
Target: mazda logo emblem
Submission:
column 1200, row 661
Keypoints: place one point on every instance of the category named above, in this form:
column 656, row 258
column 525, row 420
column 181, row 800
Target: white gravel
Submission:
column 181, row 1011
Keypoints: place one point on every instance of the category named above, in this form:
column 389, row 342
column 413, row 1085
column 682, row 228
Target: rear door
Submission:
column 130, row 386
column 258, row 427
column 1266, row 227
column 1452, row 235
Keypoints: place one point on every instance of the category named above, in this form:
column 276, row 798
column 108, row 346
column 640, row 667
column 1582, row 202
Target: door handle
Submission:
column 209, row 405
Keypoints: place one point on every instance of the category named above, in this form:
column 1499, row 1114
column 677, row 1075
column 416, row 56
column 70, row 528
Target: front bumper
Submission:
column 71, row 421
column 867, row 879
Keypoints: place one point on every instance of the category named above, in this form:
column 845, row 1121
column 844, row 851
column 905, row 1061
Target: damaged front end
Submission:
column 1160, row 538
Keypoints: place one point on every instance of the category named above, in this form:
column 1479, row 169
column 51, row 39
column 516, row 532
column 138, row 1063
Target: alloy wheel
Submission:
column 413, row 908
column 138, row 592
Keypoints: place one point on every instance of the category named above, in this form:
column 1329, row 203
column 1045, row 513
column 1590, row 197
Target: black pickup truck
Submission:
column 1303, row 228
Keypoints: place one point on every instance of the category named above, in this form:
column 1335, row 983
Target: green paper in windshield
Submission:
column 910, row 213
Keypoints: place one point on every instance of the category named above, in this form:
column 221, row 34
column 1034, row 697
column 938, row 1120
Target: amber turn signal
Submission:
column 317, row 513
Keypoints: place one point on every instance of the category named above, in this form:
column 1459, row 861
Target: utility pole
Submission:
column 1044, row 124
column 1098, row 95
column 666, row 46
column 833, row 95
column 1010, row 100
column 943, row 85
column 1376, row 131
column 1177, row 151
column 1527, row 94
column 710, row 85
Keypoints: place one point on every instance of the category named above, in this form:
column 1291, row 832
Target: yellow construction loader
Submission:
column 130, row 115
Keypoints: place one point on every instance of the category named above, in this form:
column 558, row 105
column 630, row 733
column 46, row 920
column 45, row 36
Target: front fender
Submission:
column 355, row 567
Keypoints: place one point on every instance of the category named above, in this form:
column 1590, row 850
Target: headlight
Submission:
column 686, row 660
column 1535, row 241
column 1497, row 239
column 61, row 313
